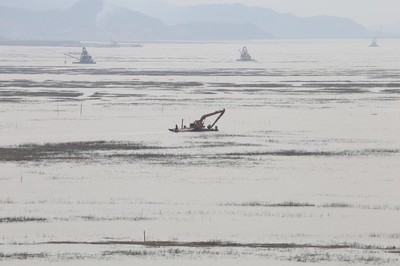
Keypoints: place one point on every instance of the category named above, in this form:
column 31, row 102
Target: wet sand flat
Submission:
column 303, row 170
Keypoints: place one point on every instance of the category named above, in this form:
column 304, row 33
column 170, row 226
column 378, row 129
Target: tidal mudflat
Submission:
column 303, row 171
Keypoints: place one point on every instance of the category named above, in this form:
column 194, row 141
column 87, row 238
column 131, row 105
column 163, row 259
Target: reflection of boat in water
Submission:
column 85, row 58
column 198, row 125
column 244, row 55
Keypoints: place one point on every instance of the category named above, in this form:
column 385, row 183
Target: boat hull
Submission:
column 81, row 63
column 183, row 130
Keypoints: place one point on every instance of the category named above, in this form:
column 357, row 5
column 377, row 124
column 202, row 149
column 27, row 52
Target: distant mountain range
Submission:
column 97, row 20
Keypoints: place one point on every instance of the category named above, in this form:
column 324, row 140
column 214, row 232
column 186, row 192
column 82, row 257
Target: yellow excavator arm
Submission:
column 220, row 112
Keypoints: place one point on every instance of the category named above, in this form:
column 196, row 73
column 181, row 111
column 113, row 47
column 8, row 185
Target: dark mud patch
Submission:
column 145, row 253
column 91, row 151
column 7, row 201
column 392, row 91
column 77, row 70
column 360, row 206
column 216, row 244
column 225, row 135
column 303, row 153
column 193, row 153
column 41, row 93
column 267, row 204
column 65, row 151
column 350, row 87
column 341, row 90
column 305, row 255
column 96, row 84
column 186, row 159
column 250, row 85
column 21, row 219
column 214, row 72
column 294, row 204
column 228, row 144
column 106, row 219
column 9, row 100
column 116, row 95
column 22, row 256
column 337, row 205
column 394, row 251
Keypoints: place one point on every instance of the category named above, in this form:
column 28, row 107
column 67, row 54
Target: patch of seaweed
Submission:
column 115, row 95
column 22, row 219
column 392, row 90
column 41, row 93
column 135, row 72
column 22, row 256
column 207, row 144
column 22, row 83
column 170, row 251
column 345, row 153
column 215, row 243
column 96, row 150
column 337, row 205
column 250, row 85
column 99, row 219
column 69, row 150
column 267, row 204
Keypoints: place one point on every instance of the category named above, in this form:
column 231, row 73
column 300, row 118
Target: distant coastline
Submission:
column 4, row 42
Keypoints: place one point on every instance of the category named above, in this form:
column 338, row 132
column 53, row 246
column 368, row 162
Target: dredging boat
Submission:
column 198, row 125
column 244, row 55
column 85, row 58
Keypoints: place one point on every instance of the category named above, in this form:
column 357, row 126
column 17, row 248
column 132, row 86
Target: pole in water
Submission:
column 81, row 109
column 182, row 123
column 144, row 236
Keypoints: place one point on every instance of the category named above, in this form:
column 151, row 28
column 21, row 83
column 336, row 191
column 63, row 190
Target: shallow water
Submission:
column 307, row 153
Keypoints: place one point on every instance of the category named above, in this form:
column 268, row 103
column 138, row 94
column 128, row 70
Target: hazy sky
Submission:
column 366, row 12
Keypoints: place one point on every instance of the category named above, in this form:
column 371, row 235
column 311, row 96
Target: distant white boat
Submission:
column 85, row 58
column 244, row 55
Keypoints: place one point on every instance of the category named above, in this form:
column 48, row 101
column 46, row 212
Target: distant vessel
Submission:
column 244, row 55
column 85, row 58
column 198, row 125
